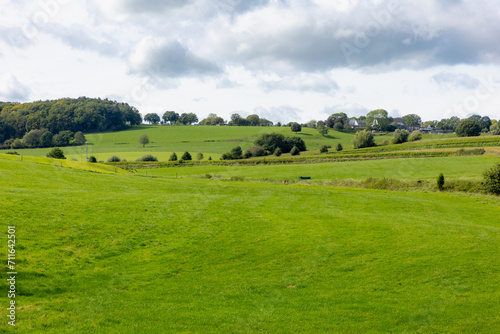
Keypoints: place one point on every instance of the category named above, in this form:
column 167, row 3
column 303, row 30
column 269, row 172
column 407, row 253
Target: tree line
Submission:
column 173, row 118
column 54, row 117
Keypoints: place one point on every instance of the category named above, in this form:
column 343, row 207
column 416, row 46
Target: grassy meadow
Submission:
column 129, row 254
column 212, row 141
column 469, row 167
column 208, row 248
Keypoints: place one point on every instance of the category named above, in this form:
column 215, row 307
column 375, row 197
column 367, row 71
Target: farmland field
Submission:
column 210, row 140
column 130, row 254
column 406, row 169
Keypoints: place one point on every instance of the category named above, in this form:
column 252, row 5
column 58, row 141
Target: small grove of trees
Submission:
column 252, row 120
column 379, row 119
column 213, row 119
column 269, row 143
column 171, row 117
column 338, row 122
column 363, row 139
column 412, row 120
column 468, row 128
column 114, row 158
column 44, row 138
column 173, row 157
column 235, row 154
column 148, row 157
column 152, row 118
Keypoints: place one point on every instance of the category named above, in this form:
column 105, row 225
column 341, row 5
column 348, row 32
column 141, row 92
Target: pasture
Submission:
column 454, row 167
column 212, row 141
column 131, row 254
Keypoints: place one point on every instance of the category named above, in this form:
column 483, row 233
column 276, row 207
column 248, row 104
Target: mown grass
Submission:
column 127, row 254
column 406, row 169
column 210, row 140
column 99, row 168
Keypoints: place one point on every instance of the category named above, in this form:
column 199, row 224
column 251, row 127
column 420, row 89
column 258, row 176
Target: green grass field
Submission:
column 210, row 140
column 407, row 169
column 112, row 253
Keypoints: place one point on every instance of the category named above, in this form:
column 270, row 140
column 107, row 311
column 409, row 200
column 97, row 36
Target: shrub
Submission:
column 495, row 129
column 296, row 127
column 56, row 153
column 199, row 156
column 144, row 140
column 257, row 151
column 400, row 136
column 385, row 142
column 92, row 159
column 491, row 180
column 247, row 154
column 339, row 147
column 16, row 144
column 114, row 158
column 278, row 152
column 235, row 154
column 186, row 156
column 415, row 135
column 363, row 139
column 12, row 153
column 209, row 158
column 475, row 151
column 173, row 157
column 440, row 182
column 323, row 149
column 468, row 128
column 271, row 141
column 148, row 157
column 295, row 151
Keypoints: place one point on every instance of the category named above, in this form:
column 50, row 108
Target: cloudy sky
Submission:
column 281, row 59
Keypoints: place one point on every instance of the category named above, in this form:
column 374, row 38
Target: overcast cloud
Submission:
column 312, row 56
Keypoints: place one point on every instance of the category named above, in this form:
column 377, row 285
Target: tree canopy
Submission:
column 82, row 114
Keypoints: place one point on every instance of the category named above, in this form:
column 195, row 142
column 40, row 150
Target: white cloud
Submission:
column 11, row 90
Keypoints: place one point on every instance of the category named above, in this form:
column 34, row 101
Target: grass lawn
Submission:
column 128, row 254
column 470, row 167
column 210, row 140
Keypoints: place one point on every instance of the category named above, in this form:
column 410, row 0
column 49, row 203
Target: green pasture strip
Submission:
column 468, row 142
column 122, row 254
column 99, row 168
column 404, row 168
column 210, row 140
column 271, row 160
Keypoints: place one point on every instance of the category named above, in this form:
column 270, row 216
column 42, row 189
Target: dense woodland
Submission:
column 63, row 116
